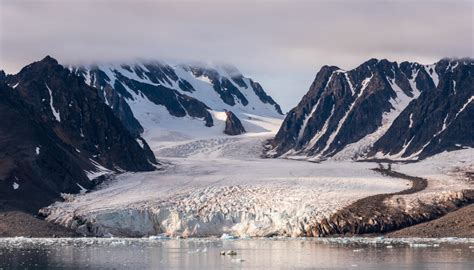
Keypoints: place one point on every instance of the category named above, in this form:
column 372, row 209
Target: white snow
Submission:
column 464, row 106
column 323, row 130
column 216, row 184
column 204, row 79
column 140, row 143
column 333, row 135
column 433, row 74
column 99, row 170
column 308, row 116
column 399, row 103
column 56, row 114
column 306, row 119
column 15, row 185
column 83, row 190
column 445, row 125
column 213, row 184
column 349, row 82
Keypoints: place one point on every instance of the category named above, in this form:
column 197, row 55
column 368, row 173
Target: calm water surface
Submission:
column 116, row 253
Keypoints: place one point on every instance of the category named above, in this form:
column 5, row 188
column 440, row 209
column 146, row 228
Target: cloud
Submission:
column 282, row 44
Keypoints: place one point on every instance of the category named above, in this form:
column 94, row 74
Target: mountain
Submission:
column 382, row 109
column 57, row 136
column 149, row 96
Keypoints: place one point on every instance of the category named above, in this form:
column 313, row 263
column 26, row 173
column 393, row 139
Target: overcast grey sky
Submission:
column 282, row 44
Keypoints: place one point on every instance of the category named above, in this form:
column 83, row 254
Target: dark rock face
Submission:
column 368, row 110
column 56, row 128
column 30, row 180
column 233, row 126
column 262, row 95
column 440, row 119
column 176, row 103
column 223, row 86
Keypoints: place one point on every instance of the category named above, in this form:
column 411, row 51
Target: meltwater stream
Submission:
column 333, row 253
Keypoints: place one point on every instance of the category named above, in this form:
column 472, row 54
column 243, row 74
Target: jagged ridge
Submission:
column 184, row 90
column 57, row 136
column 382, row 109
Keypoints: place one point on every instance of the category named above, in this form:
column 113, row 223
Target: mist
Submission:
column 281, row 44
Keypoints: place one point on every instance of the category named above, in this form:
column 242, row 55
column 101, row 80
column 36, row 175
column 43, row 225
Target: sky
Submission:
column 281, row 44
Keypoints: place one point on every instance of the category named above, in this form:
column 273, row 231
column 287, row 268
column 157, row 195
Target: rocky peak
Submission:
column 59, row 137
column 351, row 110
column 189, row 91
column 79, row 116
column 233, row 126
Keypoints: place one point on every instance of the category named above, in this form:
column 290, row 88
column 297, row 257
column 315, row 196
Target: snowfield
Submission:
column 213, row 184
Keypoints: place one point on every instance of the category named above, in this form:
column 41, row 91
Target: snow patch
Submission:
column 306, row 119
column 333, row 135
column 140, row 142
column 349, row 82
column 399, row 103
column 464, row 107
column 83, row 190
column 56, row 114
column 433, row 74
column 99, row 170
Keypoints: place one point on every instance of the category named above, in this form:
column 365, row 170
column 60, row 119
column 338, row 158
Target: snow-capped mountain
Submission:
column 65, row 126
column 382, row 109
column 57, row 136
column 150, row 96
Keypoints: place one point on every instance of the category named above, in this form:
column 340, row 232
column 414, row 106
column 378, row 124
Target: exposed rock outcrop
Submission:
column 186, row 91
column 57, row 135
column 233, row 126
column 382, row 109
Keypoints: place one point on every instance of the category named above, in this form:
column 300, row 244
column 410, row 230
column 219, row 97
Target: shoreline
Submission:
column 441, row 227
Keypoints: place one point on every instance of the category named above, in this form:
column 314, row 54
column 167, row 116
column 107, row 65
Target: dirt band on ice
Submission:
column 374, row 215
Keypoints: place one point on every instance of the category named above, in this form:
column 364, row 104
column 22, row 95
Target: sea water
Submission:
column 263, row 253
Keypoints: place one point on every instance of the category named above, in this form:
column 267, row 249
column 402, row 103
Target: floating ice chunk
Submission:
column 231, row 253
column 37, row 150
column 15, row 185
column 226, row 236
column 420, row 245
column 159, row 237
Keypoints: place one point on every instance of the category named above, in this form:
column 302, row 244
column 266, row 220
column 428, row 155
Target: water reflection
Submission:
column 251, row 254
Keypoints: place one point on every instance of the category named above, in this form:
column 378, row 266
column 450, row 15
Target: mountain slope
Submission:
column 150, row 96
column 366, row 112
column 57, row 136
